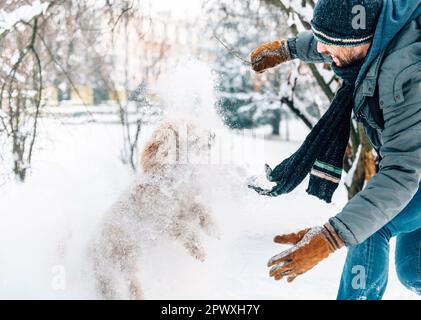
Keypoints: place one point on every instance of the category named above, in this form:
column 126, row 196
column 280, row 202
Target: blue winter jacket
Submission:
column 393, row 66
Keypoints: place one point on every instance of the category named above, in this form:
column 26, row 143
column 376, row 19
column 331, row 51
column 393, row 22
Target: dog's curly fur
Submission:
column 165, row 204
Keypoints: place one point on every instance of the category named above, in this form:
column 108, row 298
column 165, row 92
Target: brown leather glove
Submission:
column 269, row 55
column 310, row 247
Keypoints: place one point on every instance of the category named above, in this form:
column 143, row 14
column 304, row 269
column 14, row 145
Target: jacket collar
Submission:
column 369, row 82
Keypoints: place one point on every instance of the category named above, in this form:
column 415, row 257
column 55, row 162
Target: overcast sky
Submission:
column 177, row 7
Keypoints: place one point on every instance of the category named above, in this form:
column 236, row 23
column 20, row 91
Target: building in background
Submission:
column 136, row 52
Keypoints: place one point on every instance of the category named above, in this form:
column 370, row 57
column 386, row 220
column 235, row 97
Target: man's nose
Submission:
column 321, row 48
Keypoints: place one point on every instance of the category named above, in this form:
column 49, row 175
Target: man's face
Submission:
column 344, row 56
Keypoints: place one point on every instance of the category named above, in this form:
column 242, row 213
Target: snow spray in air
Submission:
column 188, row 92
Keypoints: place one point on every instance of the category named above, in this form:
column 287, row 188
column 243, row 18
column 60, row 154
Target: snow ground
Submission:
column 46, row 225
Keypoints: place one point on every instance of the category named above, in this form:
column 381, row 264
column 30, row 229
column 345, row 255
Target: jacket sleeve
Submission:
column 304, row 47
column 397, row 181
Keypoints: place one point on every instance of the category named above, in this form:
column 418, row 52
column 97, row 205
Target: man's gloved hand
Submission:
column 269, row 55
column 272, row 176
column 310, row 247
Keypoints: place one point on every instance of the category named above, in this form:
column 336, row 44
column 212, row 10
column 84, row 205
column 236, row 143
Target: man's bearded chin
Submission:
column 348, row 59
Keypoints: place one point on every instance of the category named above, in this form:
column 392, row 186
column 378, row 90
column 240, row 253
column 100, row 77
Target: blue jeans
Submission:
column 366, row 267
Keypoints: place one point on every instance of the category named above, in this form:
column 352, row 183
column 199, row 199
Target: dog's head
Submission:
column 176, row 143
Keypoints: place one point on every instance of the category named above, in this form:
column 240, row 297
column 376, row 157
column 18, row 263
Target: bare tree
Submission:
column 65, row 44
column 21, row 85
column 126, row 21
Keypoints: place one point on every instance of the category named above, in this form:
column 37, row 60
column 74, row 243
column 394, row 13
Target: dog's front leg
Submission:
column 187, row 236
column 192, row 244
column 205, row 220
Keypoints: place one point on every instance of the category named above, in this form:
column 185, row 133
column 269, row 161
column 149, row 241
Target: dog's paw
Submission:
column 207, row 224
column 196, row 251
column 201, row 257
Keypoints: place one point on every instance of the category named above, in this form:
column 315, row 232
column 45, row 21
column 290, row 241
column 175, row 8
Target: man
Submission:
column 379, row 58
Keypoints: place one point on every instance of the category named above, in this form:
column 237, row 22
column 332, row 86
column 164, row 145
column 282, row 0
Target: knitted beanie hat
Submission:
column 345, row 22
